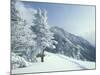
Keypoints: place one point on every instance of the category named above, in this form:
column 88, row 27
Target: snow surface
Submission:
column 55, row 62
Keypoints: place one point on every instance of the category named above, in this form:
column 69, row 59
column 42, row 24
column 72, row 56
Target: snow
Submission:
column 25, row 13
column 55, row 62
column 18, row 61
column 84, row 64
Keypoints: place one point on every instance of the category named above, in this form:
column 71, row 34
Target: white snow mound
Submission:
column 55, row 62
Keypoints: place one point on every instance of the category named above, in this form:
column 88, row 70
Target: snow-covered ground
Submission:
column 55, row 62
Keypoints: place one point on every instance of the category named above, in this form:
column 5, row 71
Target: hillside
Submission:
column 55, row 62
column 72, row 45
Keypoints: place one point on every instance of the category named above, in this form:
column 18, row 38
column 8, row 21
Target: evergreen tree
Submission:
column 42, row 30
column 22, row 37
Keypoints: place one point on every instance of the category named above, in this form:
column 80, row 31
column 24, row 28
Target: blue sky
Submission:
column 76, row 19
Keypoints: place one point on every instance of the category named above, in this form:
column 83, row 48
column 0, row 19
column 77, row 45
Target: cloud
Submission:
column 26, row 13
column 89, row 36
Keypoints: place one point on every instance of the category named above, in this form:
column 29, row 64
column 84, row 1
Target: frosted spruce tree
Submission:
column 42, row 30
column 22, row 37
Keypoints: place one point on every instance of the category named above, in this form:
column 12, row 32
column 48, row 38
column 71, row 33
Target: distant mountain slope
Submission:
column 72, row 45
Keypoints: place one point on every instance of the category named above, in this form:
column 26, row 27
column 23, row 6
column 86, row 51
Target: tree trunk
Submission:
column 42, row 56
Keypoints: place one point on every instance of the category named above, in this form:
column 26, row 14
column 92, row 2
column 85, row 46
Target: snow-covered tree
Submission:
column 17, row 61
column 42, row 30
column 22, row 37
column 14, row 22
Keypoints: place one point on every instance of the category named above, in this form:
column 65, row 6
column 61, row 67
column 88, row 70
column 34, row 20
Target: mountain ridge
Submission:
column 72, row 45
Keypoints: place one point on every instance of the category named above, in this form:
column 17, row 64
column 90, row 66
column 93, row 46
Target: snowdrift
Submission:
column 55, row 62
